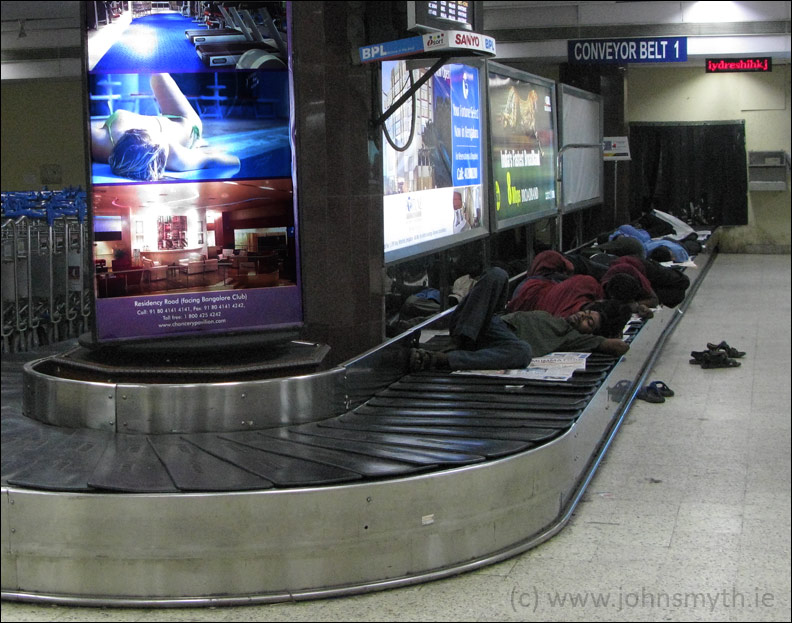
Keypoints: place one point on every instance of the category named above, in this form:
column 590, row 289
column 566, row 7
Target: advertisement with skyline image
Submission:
column 433, row 159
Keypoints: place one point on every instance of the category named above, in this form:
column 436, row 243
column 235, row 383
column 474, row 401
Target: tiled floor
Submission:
column 687, row 519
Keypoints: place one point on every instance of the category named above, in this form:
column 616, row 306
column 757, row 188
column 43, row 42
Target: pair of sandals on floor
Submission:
column 656, row 391
column 717, row 356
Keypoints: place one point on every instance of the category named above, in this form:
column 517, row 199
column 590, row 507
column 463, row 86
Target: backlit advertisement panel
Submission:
column 522, row 146
column 192, row 198
column 433, row 159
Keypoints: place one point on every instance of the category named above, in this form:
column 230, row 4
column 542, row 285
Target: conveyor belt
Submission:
column 347, row 480
column 420, row 422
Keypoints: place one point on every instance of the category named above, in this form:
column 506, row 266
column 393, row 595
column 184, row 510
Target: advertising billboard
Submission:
column 523, row 146
column 433, row 159
column 192, row 198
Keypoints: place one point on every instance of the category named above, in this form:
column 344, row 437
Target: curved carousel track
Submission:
column 358, row 478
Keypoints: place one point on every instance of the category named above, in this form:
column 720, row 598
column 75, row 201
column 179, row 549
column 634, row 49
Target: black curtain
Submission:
column 695, row 171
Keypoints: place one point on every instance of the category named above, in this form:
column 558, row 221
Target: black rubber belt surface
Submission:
column 423, row 421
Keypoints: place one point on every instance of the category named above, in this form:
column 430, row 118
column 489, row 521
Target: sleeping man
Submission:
column 486, row 340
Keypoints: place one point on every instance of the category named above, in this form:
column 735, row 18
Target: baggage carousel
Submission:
column 151, row 483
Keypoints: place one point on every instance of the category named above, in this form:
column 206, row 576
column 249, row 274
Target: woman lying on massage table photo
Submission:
column 143, row 147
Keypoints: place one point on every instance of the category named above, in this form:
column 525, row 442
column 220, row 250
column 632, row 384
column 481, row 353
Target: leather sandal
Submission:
column 699, row 356
column 719, row 359
column 730, row 351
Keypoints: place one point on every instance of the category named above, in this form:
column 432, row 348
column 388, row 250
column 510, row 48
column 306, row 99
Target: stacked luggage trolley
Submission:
column 122, row 491
column 46, row 295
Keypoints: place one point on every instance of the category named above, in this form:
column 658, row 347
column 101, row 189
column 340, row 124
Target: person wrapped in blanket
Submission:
column 669, row 284
column 485, row 338
column 672, row 249
column 553, row 286
column 143, row 147
column 626, row 281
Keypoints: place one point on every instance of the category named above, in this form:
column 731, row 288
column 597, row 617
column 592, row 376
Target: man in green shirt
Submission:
column 487, row 341
column 579, row 332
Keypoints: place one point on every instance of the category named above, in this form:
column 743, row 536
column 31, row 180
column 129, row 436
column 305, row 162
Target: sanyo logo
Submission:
column 466, row 39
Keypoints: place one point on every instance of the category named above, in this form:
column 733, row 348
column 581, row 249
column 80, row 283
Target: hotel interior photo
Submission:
column 196, row 236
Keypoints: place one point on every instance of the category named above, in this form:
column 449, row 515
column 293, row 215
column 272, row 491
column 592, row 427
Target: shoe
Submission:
column 664, row 390
column 650, row 394
column 421, row 359
column 699, row 356
column 719, row 359
column 731, row 352
column 712, row 359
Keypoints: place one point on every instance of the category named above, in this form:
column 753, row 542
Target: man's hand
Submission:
column 613, row 346
column 642, row 310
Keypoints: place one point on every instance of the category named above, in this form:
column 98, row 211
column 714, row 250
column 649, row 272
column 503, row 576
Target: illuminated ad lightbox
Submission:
column 433, row 159
column 192, row 198
column 523, row 149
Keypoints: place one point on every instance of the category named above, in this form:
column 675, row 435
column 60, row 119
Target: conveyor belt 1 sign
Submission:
column 627, row 51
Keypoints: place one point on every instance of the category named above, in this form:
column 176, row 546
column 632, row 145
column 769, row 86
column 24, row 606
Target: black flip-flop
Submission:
column 664, row 390
column 650, row 394
column 619, row 391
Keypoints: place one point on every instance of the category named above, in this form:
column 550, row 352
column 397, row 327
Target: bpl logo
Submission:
column 372, row 51
column 489, row 43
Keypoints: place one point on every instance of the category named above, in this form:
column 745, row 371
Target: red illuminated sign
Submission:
column 727, row 65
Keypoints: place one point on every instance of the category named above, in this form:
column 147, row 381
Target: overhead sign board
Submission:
column 461, row 42
column 627, row 51
column 391, row 49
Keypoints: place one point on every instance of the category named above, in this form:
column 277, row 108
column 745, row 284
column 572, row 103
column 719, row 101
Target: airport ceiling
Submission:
column 540, row 30
column 43, row 39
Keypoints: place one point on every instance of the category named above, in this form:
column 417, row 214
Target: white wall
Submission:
column 762, row 100
column 43, row 128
